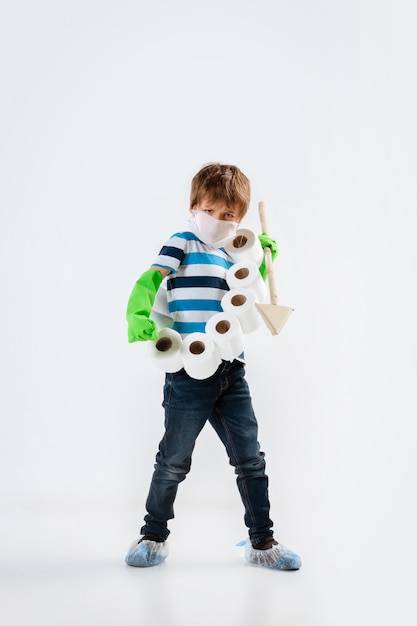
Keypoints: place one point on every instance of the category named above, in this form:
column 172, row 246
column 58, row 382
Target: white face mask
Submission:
column 211, row 231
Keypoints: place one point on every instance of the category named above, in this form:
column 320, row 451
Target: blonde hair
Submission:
column 216, row 182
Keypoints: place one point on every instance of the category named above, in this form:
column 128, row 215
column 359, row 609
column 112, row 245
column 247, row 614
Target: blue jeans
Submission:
column 223, row 400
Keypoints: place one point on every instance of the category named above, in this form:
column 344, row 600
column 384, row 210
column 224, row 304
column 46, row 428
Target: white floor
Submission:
column 64, row 566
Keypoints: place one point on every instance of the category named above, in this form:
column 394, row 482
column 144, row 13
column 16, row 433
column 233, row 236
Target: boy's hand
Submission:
column 141, row 328
column 267, row 242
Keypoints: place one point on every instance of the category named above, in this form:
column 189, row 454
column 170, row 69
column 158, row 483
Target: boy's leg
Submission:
column 235, row 423
column 188, row 403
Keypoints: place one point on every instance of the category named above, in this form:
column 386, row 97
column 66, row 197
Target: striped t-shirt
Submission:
column 197, row 281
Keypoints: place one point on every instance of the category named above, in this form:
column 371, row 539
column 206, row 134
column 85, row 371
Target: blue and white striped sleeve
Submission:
column 172, row 253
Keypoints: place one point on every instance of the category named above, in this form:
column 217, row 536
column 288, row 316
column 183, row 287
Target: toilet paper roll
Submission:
column 199, row 355
column 245, row 275
column 241, row 303
column 227, row 334
column 245, row 246
column 166, row 351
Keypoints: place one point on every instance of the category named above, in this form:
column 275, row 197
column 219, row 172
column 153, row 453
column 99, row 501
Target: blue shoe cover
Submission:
column 277, row 557
column 146, row 553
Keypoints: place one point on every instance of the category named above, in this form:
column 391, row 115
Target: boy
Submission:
column 196, row 266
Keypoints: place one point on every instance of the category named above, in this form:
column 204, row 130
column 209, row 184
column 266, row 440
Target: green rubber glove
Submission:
column 267, row 241
column 139, row 326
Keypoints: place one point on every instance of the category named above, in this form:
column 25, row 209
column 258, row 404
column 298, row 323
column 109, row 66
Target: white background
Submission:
column 107, row 111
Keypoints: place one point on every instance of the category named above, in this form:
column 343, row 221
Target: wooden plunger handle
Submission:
column 268, row 257
column 262, row 217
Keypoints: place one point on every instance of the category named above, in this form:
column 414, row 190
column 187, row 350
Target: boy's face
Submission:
column 218, row 210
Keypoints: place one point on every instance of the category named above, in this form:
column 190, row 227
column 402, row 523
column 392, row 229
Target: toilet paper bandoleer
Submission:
column 194, row 264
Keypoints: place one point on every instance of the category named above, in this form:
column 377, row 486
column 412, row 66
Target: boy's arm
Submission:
column 267, row 241
column 139, row 326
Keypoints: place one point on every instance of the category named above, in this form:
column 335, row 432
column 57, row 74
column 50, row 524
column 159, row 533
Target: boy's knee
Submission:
column 252, row 467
